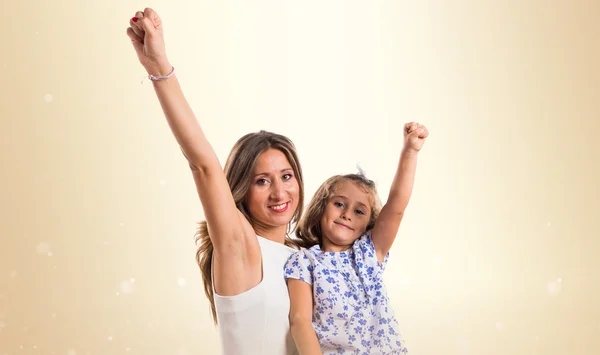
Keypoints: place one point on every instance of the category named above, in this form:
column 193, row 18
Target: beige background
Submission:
column 499, row 250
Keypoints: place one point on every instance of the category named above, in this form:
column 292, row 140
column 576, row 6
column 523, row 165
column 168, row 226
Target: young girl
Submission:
column 338, row 303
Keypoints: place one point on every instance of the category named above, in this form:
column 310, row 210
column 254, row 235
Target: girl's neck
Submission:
column 329, row 247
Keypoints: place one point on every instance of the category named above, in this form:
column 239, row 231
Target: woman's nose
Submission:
column 277, row 191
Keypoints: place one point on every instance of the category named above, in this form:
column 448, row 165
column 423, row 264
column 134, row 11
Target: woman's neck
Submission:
column 274, row 234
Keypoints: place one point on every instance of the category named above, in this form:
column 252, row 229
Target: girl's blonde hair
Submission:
column 309, row 228
column 239, row 170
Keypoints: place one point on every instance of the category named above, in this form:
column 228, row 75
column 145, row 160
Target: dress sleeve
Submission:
column 299, row 267
column 367, row 257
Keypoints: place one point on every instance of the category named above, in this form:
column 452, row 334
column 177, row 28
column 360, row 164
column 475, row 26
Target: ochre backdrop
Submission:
column 497, row 254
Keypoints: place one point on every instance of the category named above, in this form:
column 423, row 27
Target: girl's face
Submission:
column 273, row 196
column 346, row 216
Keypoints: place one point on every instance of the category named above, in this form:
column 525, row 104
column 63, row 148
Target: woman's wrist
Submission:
column 160, row 69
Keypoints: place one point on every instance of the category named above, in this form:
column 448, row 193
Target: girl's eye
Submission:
column 359, row 212
column 338, row 204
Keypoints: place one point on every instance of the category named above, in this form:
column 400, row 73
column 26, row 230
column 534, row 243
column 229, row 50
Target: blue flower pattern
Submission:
column 351, row 313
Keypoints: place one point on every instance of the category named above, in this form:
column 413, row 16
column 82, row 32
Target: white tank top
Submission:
column 256, row 322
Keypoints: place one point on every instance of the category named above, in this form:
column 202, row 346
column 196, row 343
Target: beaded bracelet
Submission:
column 159, row 78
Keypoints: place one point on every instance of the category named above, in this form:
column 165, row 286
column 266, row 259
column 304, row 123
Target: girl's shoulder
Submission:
column 365, row 240
column 365, row 251
column 304, row 253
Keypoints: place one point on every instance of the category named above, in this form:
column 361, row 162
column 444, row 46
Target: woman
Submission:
column 249, row 209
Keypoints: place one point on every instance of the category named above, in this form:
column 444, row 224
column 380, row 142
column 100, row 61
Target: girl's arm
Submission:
column 388, row 222
column 237, row 260
column 301, row 310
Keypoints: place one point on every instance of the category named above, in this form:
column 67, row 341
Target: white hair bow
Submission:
column 361, row 171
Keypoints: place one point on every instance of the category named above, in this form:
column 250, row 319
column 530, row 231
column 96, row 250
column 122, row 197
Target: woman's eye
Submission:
column 261, row 181
column 287, row 176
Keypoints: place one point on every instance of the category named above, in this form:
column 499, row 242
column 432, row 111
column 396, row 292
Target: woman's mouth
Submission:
column 280, row 208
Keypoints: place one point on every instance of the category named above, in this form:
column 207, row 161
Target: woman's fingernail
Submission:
column 134, row 19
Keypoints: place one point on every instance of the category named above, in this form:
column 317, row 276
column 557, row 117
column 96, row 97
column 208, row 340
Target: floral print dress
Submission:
column 351, row 309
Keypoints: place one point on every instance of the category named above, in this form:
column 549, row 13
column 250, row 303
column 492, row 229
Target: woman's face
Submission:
column 274, row 192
